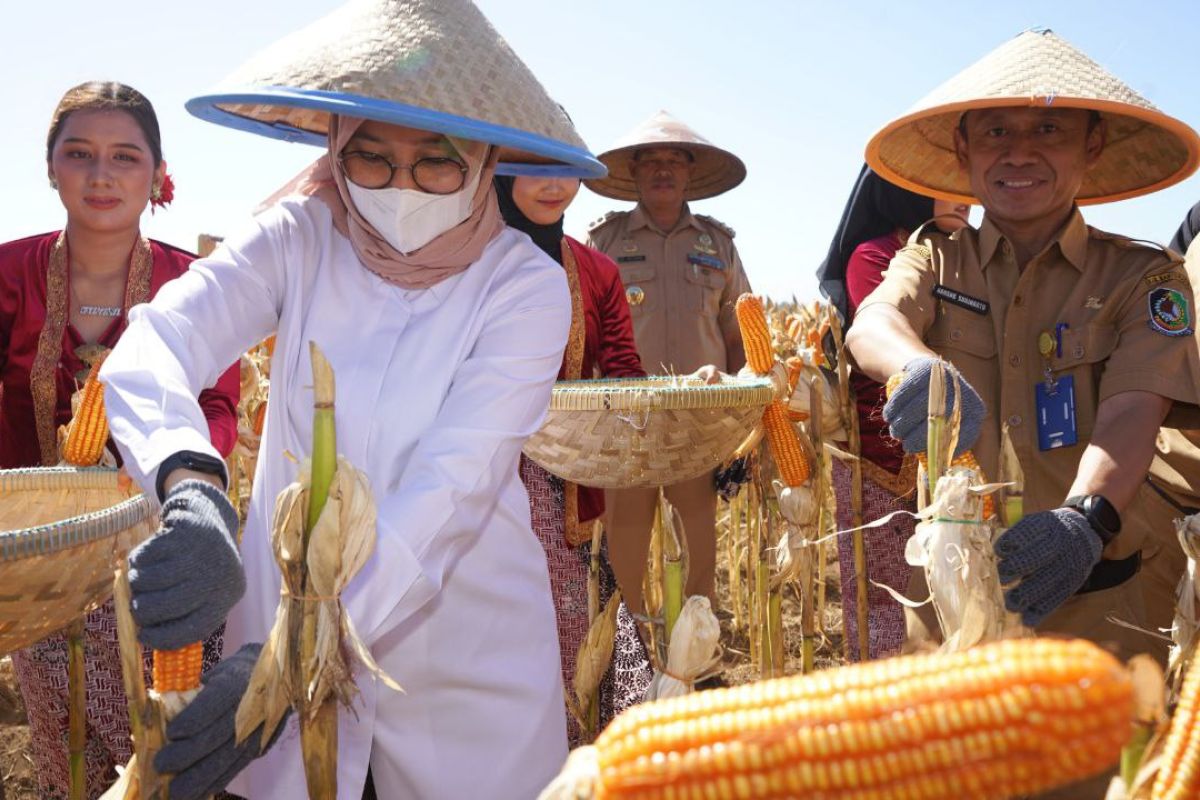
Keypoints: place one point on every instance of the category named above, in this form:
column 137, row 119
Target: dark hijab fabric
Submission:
column 1187, row 231
column 876, row 208
column 547, row 237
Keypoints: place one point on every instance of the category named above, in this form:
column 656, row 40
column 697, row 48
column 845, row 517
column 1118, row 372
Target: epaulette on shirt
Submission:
column 716, row 223
column 600, row 223
column 1130, row 243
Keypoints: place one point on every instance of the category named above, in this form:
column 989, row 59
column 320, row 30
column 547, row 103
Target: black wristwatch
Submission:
column 189, row 459
column 1099, row 513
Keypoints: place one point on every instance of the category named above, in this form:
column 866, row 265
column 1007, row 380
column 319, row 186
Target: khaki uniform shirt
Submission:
column 966, row 298
column 681, row 284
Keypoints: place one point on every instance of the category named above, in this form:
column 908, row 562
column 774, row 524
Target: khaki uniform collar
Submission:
column 1071, row 240
column 640, row 218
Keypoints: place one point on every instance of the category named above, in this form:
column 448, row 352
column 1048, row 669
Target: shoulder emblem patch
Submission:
column 603, row 220
column 1169, row 312
column 1166, row 277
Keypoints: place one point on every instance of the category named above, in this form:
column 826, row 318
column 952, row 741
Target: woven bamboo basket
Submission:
column 643, row 432
column 62, row 531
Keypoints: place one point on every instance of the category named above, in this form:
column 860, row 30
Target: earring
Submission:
column 156, row 193
column 54, row 184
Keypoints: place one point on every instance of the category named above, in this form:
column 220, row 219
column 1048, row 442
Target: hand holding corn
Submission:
column 907, row 408
column 1051, row 553
column 186, row 577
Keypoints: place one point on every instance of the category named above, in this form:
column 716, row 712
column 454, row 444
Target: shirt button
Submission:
column 1014, row 420
column 956, row 334
column 1014, row 361
column 1019, row 300
column 1078, row 351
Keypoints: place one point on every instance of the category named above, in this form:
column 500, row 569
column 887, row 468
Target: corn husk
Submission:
column 339, row 545
column 812, row 380
column 695, row 650
column 1187, row 602
column 953, row 544
column 595, row 656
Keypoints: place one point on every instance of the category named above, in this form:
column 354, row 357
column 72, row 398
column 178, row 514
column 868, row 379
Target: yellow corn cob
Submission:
column 178, row 670
column 1003, row 719
column 89, row 429
column 781, row 435
column 1179, row 774
column 756, row 336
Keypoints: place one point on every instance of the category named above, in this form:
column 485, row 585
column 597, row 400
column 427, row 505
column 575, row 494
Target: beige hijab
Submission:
column 447, row 254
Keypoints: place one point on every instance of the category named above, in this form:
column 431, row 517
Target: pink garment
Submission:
column 448, row 254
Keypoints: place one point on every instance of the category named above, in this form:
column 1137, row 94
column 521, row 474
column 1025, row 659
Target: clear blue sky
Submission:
column 795, row 88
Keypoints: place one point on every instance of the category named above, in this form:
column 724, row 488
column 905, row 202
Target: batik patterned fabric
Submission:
column 630, row 672
column 41, row 671
column 885, row 565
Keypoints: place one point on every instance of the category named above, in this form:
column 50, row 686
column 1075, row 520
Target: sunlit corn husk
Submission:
column 694, row 651
column 1001, row 720
column 953, row 544
column 800, row 511
column 800, row 402
column 1187, row 599
column 339, row 546
column 595, row 656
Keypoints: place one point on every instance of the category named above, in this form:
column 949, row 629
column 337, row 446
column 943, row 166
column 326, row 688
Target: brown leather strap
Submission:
column 43, row 385
column 572, row 371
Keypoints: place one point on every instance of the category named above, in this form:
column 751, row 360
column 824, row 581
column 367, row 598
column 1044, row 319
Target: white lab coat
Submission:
column 437, row 390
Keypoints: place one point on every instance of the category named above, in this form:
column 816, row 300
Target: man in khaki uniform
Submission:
column 1078, row 341
column 682, row 276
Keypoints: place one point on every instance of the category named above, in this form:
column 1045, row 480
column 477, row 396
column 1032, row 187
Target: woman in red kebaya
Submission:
column 65, row 296
column 600, row 346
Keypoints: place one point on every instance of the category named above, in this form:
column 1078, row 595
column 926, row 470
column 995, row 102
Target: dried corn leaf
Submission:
column 595, row 656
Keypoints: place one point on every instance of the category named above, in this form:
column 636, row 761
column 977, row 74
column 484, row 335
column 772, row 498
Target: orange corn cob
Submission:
column 1179, row 775
column 1008, row 718
column 756, row 338
column 178, row 670
column 89, row 429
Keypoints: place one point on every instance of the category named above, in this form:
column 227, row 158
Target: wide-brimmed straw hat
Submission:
column 436, row 65
column 715, row 171
column 1146, row 150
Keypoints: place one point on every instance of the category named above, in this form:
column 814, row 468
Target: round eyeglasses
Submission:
column 434, row 175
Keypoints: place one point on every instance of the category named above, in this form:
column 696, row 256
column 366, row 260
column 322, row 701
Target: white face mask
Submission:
column 410, row 219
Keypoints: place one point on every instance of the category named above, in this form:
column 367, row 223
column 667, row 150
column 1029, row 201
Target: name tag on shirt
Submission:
column 712, row 262
column 1056, row 414
column 629, row 259
column 943, row 292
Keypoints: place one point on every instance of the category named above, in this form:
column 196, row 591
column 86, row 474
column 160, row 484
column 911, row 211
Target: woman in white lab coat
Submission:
column 445, row 330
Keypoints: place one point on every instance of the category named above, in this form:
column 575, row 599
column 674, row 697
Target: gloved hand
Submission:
column 907, row 410
column 186, row 577
column 1051, row 553
column 200, row 753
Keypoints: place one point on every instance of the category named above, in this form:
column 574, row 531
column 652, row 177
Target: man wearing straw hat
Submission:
column 445, row 329
column 682, row 276
column 1078, row 342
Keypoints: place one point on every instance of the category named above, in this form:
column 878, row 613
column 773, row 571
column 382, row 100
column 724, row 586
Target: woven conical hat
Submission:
column 716, row 170
column 1146, row 150
column 431, row 64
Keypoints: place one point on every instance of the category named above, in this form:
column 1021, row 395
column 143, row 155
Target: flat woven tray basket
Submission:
column 62, row 531
column 643, row 432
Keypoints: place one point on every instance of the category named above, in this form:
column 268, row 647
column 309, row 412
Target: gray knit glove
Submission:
column 907, row 410
column 200, row 753
column 186, row 577
column 1051, row 553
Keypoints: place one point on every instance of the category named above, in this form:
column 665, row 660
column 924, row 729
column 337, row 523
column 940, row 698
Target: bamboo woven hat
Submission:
column 716, row 170
column 436, row 65
column 1146, row 150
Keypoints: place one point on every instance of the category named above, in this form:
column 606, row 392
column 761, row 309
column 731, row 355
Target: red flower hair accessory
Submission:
column 164, row 193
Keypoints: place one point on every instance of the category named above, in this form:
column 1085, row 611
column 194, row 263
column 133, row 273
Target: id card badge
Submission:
column 1056, row 414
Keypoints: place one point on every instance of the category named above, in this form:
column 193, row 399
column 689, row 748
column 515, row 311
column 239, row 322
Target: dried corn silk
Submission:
column 694, row 651
column 954, row 546
column 339, row 545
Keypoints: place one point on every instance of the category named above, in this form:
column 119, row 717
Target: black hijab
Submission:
column 547, row 237
column 1187, row 231
column 875, row 208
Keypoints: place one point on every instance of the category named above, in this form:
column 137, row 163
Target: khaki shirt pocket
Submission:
column 643, row 289
column 705, row 286
column 955, row 333
column 1084, row 353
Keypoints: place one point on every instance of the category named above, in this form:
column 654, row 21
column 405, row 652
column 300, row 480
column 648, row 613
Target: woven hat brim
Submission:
column 302, row 115
column 1145, row 149
column 715, row 171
